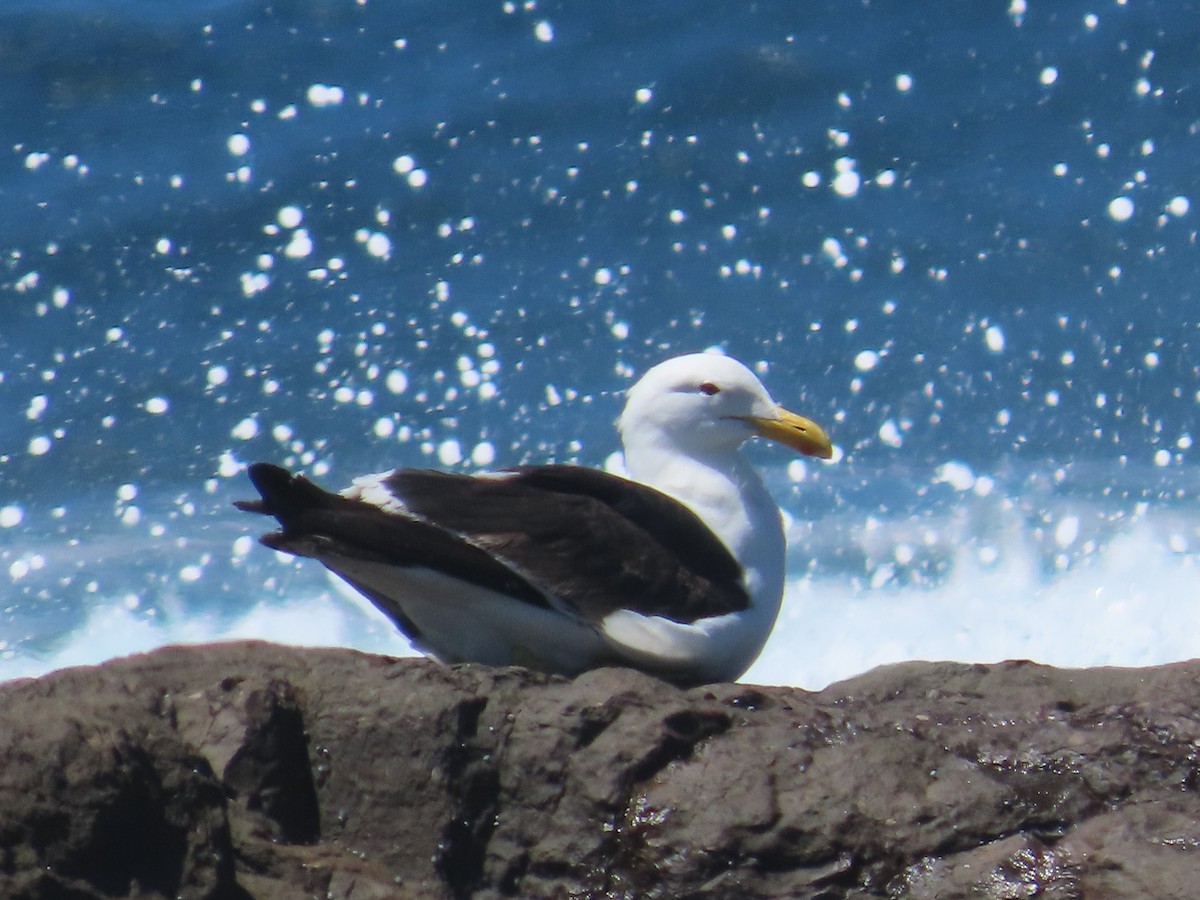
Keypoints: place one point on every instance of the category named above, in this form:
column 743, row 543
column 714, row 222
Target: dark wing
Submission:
column 596, row 541
column 314, row 520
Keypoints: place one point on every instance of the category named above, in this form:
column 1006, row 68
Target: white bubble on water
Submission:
column 449, row 452
column 847, row 181
column 993, row 336
column 300, row 246
column 396, row 381
column 1120, row 209
column 246, row 429
column 956, row 474
column 290, row 216
column 484, row 453
column 866, row 360
column 238, row 145
column 228, row 465
column 890, row 434
column 1066, row 531
column 37, row 406
column 379, row 245
column 320, row 95
column 832, row 248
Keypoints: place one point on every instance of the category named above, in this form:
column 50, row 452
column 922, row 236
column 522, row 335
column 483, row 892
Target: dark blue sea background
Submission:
column 346, row 236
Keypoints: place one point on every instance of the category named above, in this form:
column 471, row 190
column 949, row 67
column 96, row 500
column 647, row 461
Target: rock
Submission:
column 257, row 771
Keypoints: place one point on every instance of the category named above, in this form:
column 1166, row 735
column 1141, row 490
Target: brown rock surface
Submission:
column 257, row 771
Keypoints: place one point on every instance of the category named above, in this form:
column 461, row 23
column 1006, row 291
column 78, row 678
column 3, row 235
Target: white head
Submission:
column 707, row 403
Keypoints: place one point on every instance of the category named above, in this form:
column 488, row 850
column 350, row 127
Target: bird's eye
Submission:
column 707, row 387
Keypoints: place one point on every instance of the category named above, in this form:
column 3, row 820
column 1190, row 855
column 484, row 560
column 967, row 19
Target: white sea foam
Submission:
column 1128, row 605
column 115, row 629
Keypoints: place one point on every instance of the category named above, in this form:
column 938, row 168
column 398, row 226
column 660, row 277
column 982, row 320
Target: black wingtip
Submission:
column 268, row 479
column 282, row 492
column 271, row 480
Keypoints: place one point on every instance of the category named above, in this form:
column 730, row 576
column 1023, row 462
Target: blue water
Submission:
column 351, row 235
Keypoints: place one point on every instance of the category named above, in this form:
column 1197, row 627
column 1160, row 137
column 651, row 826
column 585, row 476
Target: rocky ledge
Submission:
column 257, row 771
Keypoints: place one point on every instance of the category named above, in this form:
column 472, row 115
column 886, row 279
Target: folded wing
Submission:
column 575, row 539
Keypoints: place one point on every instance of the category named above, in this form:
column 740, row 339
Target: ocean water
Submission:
column 349, row 235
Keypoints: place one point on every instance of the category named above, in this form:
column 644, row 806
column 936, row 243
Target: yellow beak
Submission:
column 793, row 430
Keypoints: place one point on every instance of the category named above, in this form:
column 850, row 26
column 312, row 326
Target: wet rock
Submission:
column 252, row 770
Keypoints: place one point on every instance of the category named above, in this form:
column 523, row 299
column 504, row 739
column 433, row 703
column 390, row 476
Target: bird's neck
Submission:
column 723, row 489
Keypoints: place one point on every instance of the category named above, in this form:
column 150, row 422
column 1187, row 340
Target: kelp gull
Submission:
column 677, row 570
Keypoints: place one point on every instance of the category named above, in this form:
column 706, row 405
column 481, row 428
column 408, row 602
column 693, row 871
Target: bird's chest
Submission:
column 743, row 516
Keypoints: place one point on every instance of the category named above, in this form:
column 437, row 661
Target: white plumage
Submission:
column 678, row 570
